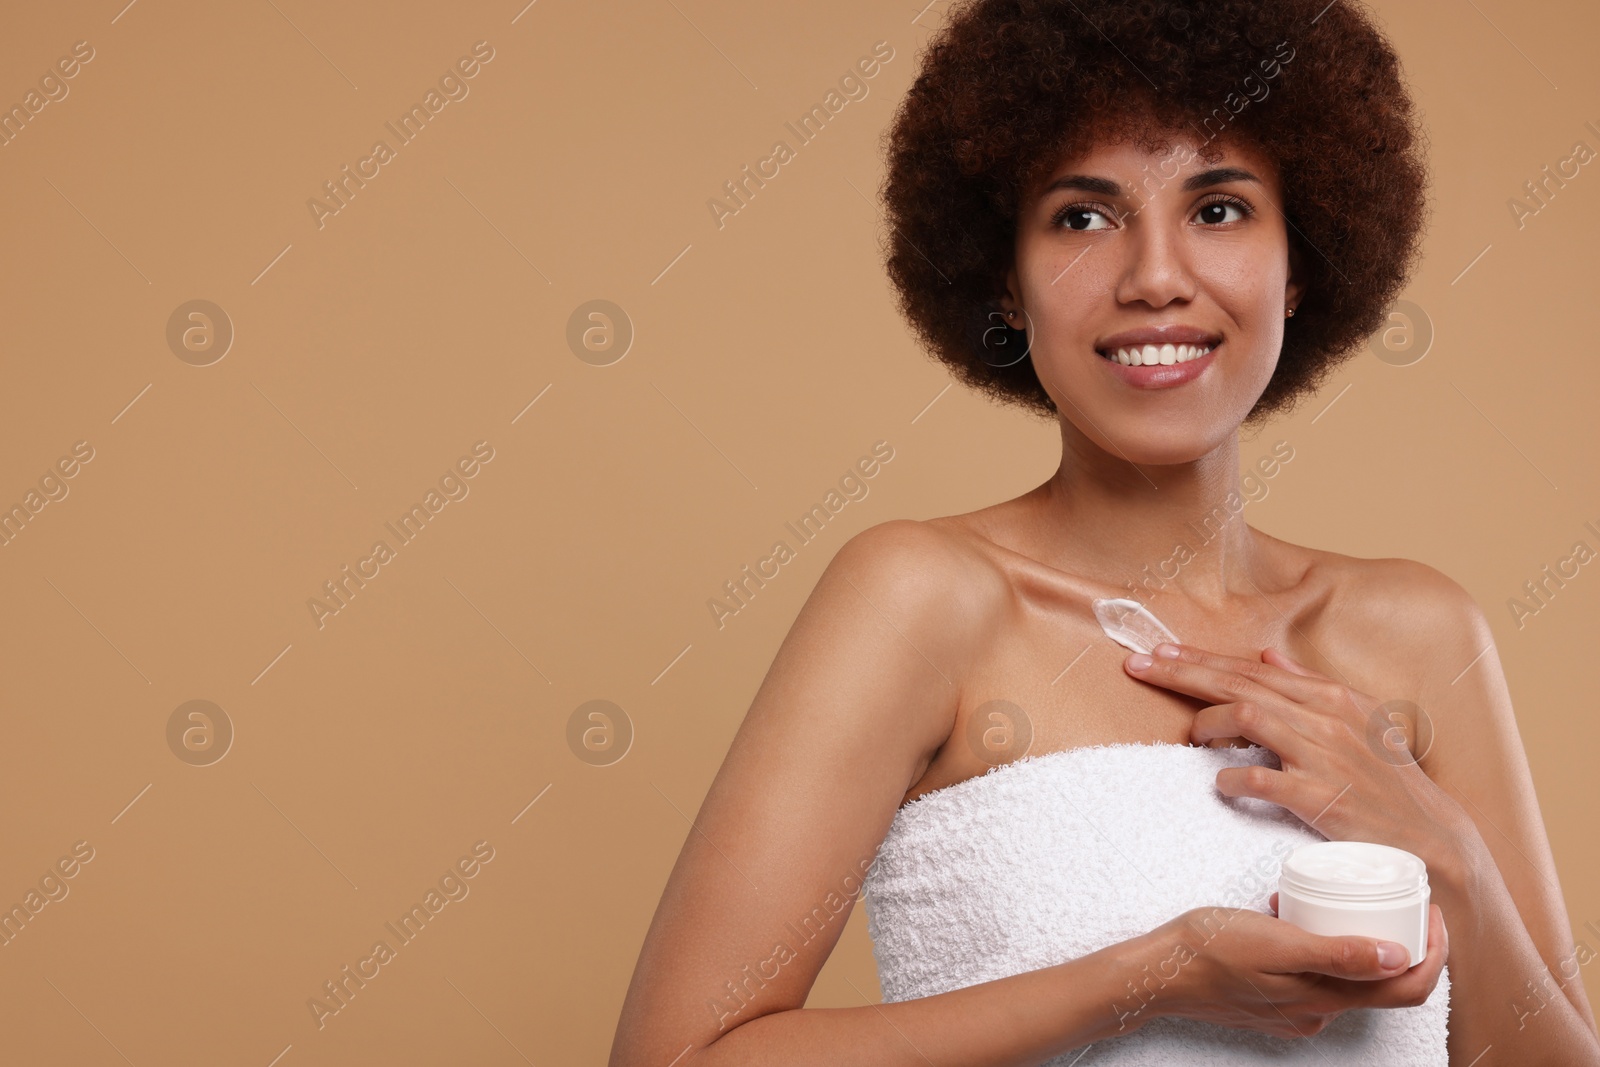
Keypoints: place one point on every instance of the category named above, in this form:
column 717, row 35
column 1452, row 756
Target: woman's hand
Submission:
column 1347, row 771
column 1240, row 968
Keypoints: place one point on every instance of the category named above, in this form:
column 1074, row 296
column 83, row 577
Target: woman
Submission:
column 1155, row 223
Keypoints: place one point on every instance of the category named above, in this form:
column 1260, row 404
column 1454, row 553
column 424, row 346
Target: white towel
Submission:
column 1052, row 857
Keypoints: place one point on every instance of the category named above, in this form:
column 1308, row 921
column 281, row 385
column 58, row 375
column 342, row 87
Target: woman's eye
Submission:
column 1217, row 212
column 1080, row 217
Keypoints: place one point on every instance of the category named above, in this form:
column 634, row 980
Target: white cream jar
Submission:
column 1356, row 887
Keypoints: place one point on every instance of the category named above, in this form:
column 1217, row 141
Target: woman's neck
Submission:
column 1150, row 529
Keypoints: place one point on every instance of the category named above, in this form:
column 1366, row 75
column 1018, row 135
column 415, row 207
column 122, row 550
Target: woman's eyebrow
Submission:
column 1107, row 187
column 1217, row 176
column 1103, row 186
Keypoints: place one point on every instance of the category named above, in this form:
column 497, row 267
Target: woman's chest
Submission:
column 1054, row 680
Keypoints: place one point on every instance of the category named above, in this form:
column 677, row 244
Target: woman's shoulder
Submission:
column 929, row 559
column 937, row 584
column 1390, row 589
column 1401, row 611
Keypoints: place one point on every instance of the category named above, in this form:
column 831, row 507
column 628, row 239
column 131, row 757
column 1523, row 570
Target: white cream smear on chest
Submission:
column 1130, row 624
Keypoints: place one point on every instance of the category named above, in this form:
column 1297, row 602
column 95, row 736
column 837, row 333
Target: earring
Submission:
column 1289, row 314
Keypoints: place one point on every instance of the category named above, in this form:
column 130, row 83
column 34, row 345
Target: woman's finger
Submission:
column 1224, row 679
column 1253, row 722
column 1278, row 659
column 1361, row 959
column 1415, row 984
column 1304, row 797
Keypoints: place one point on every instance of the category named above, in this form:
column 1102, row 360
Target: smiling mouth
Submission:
column 1152, row 355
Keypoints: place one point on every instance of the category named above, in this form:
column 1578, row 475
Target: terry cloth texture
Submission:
column 1052, row 857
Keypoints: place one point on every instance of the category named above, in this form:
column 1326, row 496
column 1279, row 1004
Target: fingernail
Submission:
column 1166, row 650
column 1392, row 955
column 1139, row 661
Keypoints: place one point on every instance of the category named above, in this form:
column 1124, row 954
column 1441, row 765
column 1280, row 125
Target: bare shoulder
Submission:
column 939, row 593
column 930, row 568
column 1407, row 591
column 1419, row 622
column 1404, row 591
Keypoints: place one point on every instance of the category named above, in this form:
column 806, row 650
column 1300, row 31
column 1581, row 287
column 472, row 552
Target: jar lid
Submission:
column 1353, row 870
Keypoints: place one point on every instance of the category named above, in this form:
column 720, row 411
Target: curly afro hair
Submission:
column 1010, row 88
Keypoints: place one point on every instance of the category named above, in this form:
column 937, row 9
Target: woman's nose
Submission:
column 1157, row 270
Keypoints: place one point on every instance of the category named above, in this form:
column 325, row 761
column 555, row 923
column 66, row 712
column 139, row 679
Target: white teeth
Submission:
column 1151, row 355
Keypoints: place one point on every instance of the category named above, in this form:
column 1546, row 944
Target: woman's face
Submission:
column 1123, row 248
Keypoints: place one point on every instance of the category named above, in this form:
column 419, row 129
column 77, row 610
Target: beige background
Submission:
column 427, row 315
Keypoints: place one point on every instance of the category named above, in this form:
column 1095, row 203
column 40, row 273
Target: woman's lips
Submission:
column 1162, row 375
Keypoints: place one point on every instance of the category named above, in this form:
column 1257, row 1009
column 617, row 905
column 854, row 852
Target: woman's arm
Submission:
column 1515, row 985
column 861, row 694
column 1465, row 805
column 859, row 698
column 1017, row 1021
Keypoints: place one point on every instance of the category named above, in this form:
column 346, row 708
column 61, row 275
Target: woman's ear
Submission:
column 1010, row 301
column 1295, row 291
